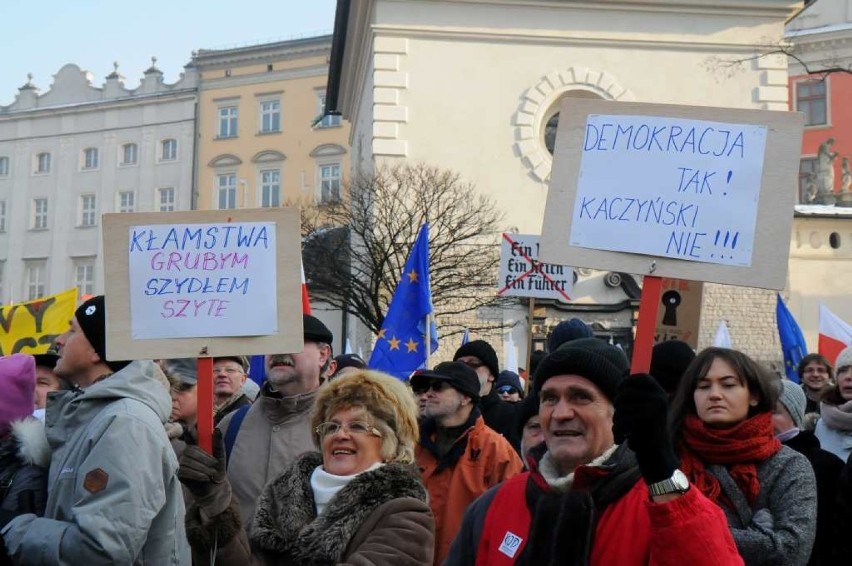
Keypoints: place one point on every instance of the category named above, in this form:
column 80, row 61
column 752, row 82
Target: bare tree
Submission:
column 355, row 248
column 784, row 49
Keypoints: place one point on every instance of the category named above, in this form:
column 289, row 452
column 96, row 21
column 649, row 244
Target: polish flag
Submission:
column 306, row 301
column 834, row 334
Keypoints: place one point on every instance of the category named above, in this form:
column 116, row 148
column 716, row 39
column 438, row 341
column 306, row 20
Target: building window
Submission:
column 329, row 120
column 227, row 188
column 42, row 163
column 4, row 166
column 167, row 199
column 270, row 183
column 90, row 158
column 270, row 116
column 168, row 150
column 129, row 154
column 39, row 217
column 126, row 201
column 811, row 100
column 84, row 276
column 34, row 279
column 2, row 215
column 329, row 182
column 807, row 180
column 88, row 210
column 228, row 122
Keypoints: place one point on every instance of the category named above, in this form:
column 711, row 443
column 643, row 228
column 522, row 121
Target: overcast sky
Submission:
column 41, row 37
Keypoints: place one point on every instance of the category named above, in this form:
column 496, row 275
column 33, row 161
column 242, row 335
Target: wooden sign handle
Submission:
column 205, row 404
column 652, row 286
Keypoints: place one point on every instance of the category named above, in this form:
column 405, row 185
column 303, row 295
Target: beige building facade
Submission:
column 258, row 145
column 475, row 86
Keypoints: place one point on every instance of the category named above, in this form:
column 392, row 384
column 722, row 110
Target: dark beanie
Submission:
column 91, row 316
column 526, row 409
column 599, row 362
column 315, row 331
column 566, row 331
column 669, row 360
column 482, row 350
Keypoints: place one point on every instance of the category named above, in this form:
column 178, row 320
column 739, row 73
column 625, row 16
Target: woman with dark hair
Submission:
column 722, row 427
column 834, row 428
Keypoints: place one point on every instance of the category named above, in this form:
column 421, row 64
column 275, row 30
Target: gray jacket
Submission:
column 114, row 496
column 780, row 528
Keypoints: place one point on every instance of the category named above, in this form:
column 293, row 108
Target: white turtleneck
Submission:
column 325, row 486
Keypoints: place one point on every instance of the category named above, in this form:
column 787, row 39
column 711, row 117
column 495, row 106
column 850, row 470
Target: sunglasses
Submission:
column 507, row 389
column 436, row 386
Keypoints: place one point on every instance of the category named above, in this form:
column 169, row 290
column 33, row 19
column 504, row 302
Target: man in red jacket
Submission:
column 587, row 498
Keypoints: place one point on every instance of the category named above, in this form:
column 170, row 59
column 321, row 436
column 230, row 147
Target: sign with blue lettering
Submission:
column 685, row 189
column 695, row 193
column 195, row 280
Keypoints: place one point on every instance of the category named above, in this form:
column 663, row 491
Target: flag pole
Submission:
column 427, row 340
column 530, row 320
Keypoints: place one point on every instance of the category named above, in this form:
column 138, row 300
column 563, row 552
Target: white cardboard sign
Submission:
column 698, row 196
column 522, row 275
column 201, row 280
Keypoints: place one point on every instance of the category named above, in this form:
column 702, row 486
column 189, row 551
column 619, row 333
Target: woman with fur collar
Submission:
column 24, row 452
column 357, row 500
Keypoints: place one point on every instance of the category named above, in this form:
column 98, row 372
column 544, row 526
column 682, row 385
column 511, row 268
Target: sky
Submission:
column 41, row 37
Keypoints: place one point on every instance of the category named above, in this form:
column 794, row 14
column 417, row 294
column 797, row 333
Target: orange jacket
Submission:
column 488, row 459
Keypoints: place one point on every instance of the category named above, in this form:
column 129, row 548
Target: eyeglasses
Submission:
column 436, row 386
column 355, row 427
column 506, row 389
column 229, row 371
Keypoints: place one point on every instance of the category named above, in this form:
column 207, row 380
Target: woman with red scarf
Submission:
column 722, row 426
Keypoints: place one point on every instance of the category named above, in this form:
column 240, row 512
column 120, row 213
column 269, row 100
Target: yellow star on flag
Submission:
column 412, row 276
column 411, row 345
column 382, row 333
column 394, row 343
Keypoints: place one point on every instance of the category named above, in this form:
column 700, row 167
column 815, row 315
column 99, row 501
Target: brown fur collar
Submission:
column 285, row 522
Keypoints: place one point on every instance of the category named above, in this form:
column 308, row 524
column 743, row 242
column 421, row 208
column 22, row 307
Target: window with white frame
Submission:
column 270, row 188
column 167, row 199
column 270, row 116
column 168, row 150
column 329, row 175
column 129, row 154
column 84, row 276
column 88, row 210
column 90, row 158
column 2, row 215
column 34, row 277
column 38, row 221
column 126, row 201
column 228, row 121
column 4, row 166
column 42, row 164
column 329, row 120
column 226, row 186
column 811, row 100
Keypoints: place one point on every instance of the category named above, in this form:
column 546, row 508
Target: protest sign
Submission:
column 202, row 283
column 522, row 275
column 694, row 193
column 679, row 317
column 32, row 326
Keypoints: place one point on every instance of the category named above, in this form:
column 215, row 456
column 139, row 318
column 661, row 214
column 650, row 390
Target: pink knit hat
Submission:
column 17, row 389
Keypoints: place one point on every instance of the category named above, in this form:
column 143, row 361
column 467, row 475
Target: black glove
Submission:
column 641, row 418
column 204, row 476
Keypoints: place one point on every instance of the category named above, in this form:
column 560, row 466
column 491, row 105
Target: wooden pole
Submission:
column 648, row 307
column 428, row 340
column 530, row 320
column 205, row 404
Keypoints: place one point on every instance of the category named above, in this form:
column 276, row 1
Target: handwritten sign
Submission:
column 695, row 193
column 32, row 326
column 193, row 280
column 522, row 275
column 698, row 194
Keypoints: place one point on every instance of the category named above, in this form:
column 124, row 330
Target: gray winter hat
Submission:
column 793, row 398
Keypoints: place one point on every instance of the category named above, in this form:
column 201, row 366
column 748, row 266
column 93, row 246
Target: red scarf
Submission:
column 739, row 449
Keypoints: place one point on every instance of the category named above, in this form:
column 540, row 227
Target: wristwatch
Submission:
column 678, row 483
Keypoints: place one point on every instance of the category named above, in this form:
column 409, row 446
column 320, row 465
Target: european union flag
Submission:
column 793, row 344
column 400, row 347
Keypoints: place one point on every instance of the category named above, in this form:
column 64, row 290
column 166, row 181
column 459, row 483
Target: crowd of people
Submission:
column 709, row 458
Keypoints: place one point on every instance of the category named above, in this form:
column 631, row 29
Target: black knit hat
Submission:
column 315, row 331
column 482, row 350
column 457, row 374
column 599, row 362
column 524, row 411
column 91, row 316
column 566, row 331
column 669, row 360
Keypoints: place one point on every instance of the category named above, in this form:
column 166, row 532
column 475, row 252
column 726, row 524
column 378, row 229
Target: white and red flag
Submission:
column 306, row 301
column 834, row 334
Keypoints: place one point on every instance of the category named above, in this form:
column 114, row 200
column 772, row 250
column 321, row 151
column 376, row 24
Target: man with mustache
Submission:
column 603, row 488
column 275, row 429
